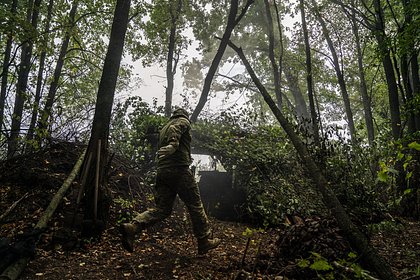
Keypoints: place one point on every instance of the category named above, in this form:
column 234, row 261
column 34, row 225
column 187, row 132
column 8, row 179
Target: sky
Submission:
column 154, row 83
column 154, row 80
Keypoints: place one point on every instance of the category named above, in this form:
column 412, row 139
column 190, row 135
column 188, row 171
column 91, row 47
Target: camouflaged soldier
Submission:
column 174, row 177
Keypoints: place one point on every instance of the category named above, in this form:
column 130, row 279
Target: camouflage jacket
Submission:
column 177, row 133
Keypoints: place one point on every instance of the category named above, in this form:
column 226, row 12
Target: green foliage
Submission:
column 250, row 232
column 350, row 170
column 263, row 163
column 125, row 212
column 399, row 161
column 347, row 268
column 387, row 226
column 134, row 130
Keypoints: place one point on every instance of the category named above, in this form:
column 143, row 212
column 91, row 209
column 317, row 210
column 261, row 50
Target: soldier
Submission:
column 174, row 177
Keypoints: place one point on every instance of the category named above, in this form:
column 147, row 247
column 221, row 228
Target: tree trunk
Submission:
column 96, row 196
column 410, row 61
column 5, row 68
column 314, row 115
column 39, row 82
column 231, row 23
column 274, row 65
column 416, row 84
column 367, row 105
column 339, row 73
column 405, row 69
column 45, row 115
column 170, row 69
column 22, row 83
column 394, row 103
column 355, row 237
column 301, row 107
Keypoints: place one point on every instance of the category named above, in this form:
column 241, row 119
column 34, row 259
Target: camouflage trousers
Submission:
column 169, row 183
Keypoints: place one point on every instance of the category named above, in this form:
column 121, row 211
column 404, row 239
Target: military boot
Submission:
column 128, row 234
column 206, row 244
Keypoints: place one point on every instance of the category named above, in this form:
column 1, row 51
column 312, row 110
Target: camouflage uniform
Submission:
column 174, row 177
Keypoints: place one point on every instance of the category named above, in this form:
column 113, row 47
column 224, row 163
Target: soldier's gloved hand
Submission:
column 165, row 151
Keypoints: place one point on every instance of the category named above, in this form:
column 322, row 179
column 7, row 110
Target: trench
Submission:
column 221, row 199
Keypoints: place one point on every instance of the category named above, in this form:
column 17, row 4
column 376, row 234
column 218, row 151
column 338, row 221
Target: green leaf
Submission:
column 383, row 176
column 247, row 232
column 358, row 270
column 414, row 145
column 408, row 191
column 400, row 155
column 352, row 255
column 322, row 265
column 409, row 175
column 303, row 263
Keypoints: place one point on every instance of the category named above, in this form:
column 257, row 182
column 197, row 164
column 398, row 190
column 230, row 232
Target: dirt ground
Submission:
column 165, row 251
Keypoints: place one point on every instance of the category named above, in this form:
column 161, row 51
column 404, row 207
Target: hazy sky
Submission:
column 154, row 80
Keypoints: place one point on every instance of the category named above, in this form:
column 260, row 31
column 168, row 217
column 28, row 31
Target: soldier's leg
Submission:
column 164, row 200
column 188, row 192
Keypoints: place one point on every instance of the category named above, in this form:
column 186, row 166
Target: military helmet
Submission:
column 179, row 112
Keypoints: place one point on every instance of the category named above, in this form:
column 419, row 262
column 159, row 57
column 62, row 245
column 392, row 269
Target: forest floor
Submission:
column 167, row 250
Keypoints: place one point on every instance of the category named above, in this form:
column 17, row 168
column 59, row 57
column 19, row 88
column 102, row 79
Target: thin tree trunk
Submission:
column 170, row 69
column 232, row 21
column 356, row 238
column 281, row 47
column 367, row 105
column 39, row 82
column 274, row 65
column 101, row 121
column 394, row 103
column 45, row 115
column 410, row 64
column 339, row 73
column 405, row 69
column 24, row 69
column 314, row 116
column 5, row 68
column 416, row 83
column 301, row 107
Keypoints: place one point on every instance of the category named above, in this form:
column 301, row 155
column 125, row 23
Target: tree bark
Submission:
column 355, row 237
column 231, row 23
column 293, row 83
column 39, row 81
column 367, row 105
column 5, row 68
column 309, row 81
column 22, row 83
column 170, row 68
column 410, row 69
column 101, row 120
column 416, row 84
column 274, row 65
column 394, row 103
column 45, row 115
column 338, row 71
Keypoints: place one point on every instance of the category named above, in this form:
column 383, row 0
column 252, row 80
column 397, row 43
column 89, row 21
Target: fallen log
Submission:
column 14, row 270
